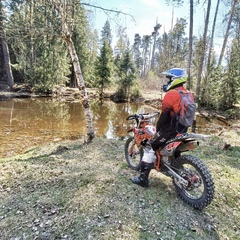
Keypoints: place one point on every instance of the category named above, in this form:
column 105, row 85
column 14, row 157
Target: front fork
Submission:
column 131, row 149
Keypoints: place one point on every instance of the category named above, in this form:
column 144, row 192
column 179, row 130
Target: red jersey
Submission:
column 171, row 101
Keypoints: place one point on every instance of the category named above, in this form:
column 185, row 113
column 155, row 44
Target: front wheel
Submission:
column 199, row 191
column 133, row 154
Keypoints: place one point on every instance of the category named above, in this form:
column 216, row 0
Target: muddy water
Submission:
column 27, row 122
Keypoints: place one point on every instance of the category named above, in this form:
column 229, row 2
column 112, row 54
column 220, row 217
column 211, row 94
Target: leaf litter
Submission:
column 74, row 190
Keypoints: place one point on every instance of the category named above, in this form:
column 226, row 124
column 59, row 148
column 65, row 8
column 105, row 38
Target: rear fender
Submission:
column 170, row 148
column 186, row 146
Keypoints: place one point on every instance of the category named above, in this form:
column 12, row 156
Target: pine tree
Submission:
column 106, row 34
column 122, row 43
column 86, row 44
column 232, row 85
column 127, row 75
column 214, row 91
column 38, row 54
column 179, row 43
column 164, row 52
column 177, row 3
column 7, row 71
column 104, row 65
column 137, row 58
column 154, row 35
column 146, row 43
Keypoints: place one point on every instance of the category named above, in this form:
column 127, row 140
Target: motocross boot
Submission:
column 142, row 180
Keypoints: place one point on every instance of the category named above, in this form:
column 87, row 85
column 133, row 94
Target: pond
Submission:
column 29, row 122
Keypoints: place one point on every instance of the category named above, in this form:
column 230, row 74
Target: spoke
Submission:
column 135, row 154
column 195, row 188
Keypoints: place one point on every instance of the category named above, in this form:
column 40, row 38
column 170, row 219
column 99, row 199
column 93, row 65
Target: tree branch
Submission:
column 109, row 10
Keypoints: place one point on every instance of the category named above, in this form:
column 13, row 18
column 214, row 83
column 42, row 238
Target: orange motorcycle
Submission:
column 191, row 177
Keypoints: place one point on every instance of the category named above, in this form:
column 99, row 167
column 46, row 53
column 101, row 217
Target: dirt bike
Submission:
column 191, row 177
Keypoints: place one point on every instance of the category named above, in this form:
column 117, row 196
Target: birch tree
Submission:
column 65, row 10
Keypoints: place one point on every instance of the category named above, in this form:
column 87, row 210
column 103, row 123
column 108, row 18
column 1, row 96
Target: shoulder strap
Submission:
column 181, row 91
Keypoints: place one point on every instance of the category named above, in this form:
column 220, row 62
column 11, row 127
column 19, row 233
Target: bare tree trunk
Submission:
column 77, row 68
column 206, row 79
column 212, row 37
column 204, row 43
column 227, row 31
column 154, row 34
column 190, row 45
column 6, row 57
column 170, row 42
column 31, row 32
column 153, row 50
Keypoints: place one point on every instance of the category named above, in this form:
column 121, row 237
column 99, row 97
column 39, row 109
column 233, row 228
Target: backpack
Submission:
column 187, row 109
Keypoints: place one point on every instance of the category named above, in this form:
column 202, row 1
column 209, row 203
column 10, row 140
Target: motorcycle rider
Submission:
column 167, row 126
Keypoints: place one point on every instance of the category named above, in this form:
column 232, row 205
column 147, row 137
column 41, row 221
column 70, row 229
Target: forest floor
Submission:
column 73, row 190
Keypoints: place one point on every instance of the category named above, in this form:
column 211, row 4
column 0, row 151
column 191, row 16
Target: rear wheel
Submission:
column 199, row 191
column 133, row 154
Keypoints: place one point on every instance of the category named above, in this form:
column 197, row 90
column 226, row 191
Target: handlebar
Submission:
column 142, row 116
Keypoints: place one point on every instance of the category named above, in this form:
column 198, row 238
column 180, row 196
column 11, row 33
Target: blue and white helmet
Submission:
column 176, row 75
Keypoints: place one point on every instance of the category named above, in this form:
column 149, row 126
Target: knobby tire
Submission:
column 133, row 161
column 206, row 182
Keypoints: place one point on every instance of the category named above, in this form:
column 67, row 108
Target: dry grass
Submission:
column 78, row 191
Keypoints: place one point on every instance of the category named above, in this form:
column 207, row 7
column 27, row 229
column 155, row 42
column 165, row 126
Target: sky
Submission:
column 144, row 16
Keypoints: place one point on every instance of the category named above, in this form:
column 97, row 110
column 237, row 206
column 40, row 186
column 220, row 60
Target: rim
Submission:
column 136, row 156
column 195, row 188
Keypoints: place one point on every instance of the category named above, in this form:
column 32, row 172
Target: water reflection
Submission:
column 109, row 119
column 28, row 122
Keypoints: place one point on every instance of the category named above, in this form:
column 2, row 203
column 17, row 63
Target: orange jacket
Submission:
column 171, row 101
column 170, row 107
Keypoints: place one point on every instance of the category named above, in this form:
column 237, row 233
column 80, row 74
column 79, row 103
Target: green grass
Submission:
column 79, row 191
